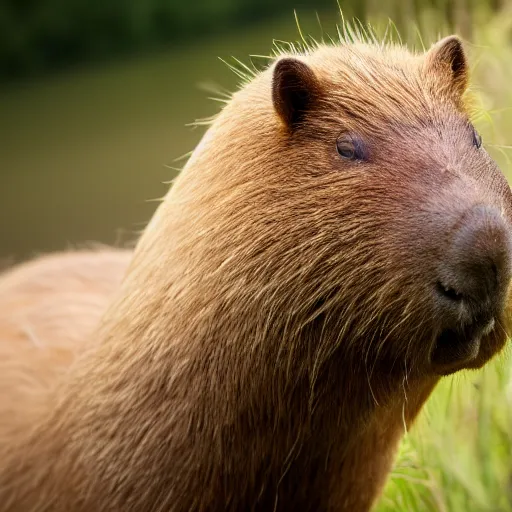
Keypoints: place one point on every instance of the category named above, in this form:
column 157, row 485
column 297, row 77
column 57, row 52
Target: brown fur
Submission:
column 48, row 309
column 272, row 337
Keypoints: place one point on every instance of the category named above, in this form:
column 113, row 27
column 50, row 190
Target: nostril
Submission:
column 449, row 292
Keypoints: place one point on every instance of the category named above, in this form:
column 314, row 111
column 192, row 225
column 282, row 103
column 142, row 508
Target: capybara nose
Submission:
column 475, row 272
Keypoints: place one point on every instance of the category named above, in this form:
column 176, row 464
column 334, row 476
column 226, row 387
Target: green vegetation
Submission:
column 459, row 455
column 40, row 34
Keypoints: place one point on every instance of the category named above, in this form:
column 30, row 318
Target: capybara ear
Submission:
column 447, row 60
column 295, row 89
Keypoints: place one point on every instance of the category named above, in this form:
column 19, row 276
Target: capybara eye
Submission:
column 477, row 139
column 349, row 148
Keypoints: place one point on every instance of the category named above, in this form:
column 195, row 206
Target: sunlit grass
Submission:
column 458, row 456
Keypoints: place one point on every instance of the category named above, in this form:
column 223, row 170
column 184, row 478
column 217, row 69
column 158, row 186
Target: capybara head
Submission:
column 356, row 212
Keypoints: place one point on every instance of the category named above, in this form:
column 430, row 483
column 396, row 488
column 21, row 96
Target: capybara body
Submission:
column 48, row 309
column 337, row 242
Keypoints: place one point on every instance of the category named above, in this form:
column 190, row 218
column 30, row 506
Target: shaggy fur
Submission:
column 48, row 309
column 272, row 338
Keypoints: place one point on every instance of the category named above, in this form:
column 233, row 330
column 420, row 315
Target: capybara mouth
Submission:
column 470, row 293
column 455, row 349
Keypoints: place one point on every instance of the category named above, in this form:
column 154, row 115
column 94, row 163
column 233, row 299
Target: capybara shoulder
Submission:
column 49, row 307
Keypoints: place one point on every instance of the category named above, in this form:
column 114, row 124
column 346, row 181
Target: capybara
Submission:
column 338, row 241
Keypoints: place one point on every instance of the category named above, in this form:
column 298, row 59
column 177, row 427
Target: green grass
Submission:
column 458, row 456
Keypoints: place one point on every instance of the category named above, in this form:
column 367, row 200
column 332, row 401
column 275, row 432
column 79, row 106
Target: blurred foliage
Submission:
column 37, row 35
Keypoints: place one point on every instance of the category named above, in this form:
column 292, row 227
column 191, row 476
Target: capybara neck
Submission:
column 290, row 307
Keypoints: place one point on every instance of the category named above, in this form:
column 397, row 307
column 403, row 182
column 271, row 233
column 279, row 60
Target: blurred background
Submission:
column 95, row 99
